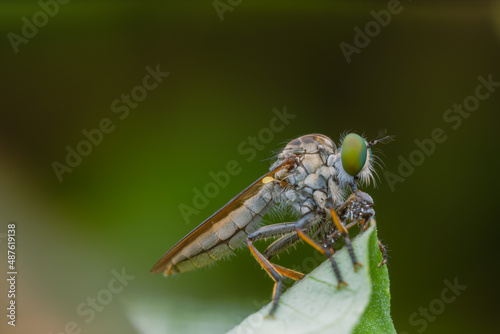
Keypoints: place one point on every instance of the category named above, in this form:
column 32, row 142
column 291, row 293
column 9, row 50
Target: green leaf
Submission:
column 315, row 305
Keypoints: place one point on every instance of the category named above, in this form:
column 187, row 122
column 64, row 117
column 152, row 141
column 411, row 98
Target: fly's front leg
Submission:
column 364, row 225
column 345, row 234
column 384, row 253
column 301, row 226
column 275, row 271
column 359, row 209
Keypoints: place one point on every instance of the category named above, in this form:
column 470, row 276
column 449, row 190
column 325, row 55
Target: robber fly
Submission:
column 311, row 176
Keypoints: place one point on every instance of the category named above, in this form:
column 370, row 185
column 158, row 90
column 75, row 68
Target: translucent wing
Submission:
column 221, row 232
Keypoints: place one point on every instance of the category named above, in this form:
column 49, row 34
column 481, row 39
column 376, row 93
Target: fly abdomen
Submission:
column 225, row 235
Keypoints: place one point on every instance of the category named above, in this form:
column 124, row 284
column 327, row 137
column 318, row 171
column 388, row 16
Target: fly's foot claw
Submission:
column 383, row 262
column 357, row 265
column 340, row 283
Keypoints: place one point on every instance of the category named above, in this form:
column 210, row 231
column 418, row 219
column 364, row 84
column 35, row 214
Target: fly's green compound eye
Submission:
column 353, row 154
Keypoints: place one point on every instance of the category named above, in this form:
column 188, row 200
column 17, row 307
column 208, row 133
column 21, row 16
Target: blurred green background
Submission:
column 119, row 208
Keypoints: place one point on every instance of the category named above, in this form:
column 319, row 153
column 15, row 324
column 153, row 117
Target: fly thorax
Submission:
column 311, row 181
column 310, row 184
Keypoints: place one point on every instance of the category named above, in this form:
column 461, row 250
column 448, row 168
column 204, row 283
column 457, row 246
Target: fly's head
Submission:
column 311, row 169
column 355, row 162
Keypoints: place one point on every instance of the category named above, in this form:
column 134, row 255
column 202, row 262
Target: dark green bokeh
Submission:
column 120, row 206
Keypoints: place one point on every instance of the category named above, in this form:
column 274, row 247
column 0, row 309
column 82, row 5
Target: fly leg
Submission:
column 281, row 244
column 273, row 231
column 345, row 234
column 384, row 253
column 331, row 240
column 307, row 221
column 364, row 224
column 359, row 209
column 275, row 271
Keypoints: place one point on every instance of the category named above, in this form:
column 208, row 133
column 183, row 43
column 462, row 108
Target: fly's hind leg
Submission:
column 281, row 244
column 273, row 231
column 275, row 271
column 301, row 226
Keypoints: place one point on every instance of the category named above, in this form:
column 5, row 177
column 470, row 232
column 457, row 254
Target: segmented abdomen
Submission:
column 224, row 236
